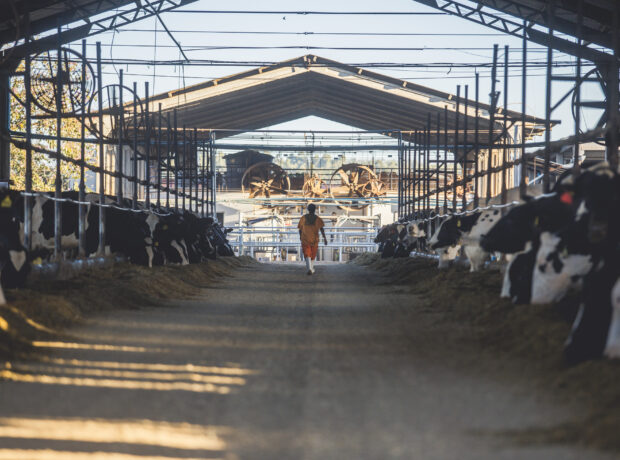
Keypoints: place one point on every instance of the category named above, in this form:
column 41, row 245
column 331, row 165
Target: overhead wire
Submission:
column 310, row 13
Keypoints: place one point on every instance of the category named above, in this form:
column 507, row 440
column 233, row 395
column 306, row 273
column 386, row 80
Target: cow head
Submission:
column 416, row 230
column 597, row 192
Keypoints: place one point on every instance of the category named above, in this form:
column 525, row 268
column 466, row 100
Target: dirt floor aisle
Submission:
column 274, row 364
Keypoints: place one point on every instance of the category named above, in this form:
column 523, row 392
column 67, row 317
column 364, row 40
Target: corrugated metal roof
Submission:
column 311, row 85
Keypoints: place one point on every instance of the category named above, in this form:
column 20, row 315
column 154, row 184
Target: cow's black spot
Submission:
column 557, row 263
column 496, row 212
column 542, row 267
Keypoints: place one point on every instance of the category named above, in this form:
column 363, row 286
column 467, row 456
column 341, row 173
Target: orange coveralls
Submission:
column 310, row 236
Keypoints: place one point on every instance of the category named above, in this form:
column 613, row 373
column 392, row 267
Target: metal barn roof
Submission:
column 598, row 20
column 20, row 18
column 312, row 85
column 597, row 16
column 48, row 14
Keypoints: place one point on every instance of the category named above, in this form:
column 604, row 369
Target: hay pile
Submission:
column 43, row 309
column 532, row 335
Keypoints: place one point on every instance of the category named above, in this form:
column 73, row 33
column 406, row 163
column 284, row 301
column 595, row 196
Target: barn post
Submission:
column 119, row 158
column 176, row 163
column 195, row 170
column 169, row 138
column 184, row 165
column 437, row 164
column 203, row 178
column 428, row 162
column 445, row 159
column 159, row 168
column 58, row 185
column 28, row 178
column 101, row 245
column 576, row 145
column 455, row 152
column 492, row 108
column 523, row 165
column 611, row 71
column 82, row 185
column 465, row 147
column 411, row 173
column 476, row 142
column 213, row 182
column 147, row 147
column 414, row 174
column 549, row 78
column 505, row 126
column 401, row 184
column 5, row 142
column 134, row 169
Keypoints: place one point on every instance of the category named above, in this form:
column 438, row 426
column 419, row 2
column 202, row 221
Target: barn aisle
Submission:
column 274, row 364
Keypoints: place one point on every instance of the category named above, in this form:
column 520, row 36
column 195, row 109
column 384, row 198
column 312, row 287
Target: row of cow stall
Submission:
column 550, row 246
column 101, row 171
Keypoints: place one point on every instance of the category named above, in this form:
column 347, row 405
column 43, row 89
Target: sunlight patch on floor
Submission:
column 113, row 383
column 143, row 432
column 153, row 367
column 91, row 346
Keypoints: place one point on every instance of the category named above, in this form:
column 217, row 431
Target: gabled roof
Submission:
column 312, row 85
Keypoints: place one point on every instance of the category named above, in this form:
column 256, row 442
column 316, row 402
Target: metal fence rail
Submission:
column 442, row 172
column 248, row 240
column 141, row 159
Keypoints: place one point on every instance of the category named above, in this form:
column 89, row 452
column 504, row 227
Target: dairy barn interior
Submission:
column 157, row 161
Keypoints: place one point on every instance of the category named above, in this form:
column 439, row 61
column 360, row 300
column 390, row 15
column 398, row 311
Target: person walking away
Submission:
column 309, row 226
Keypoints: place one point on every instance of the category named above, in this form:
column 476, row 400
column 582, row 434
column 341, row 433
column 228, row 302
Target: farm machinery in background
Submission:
column 350, row 186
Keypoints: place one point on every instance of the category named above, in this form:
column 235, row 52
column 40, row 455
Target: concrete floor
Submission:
column 275, row 364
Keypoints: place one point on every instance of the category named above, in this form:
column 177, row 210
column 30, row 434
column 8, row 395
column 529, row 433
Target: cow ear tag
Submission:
column 37, row 261
column 566, row 198
column 458, row 223
column 536, row 221
column 165, row 227
column 6, row 203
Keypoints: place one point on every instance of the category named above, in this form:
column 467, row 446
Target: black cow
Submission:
column 126, row 233
column 217, row 236
column 168, row 232
column 14, row 264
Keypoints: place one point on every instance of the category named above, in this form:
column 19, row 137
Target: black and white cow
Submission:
column 518, row 232
column 168, row 232
column 558, row 238
column 466, row 230
column 387, row 239
column 14, row 265
column 612, row 347
column 595, row 328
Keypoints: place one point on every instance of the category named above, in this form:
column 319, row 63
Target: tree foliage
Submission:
column 44, row 166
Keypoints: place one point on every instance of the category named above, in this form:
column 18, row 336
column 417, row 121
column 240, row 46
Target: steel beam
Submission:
column 514, row 28
column 94, row 27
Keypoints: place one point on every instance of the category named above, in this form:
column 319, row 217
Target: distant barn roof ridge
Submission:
column 313, row 85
